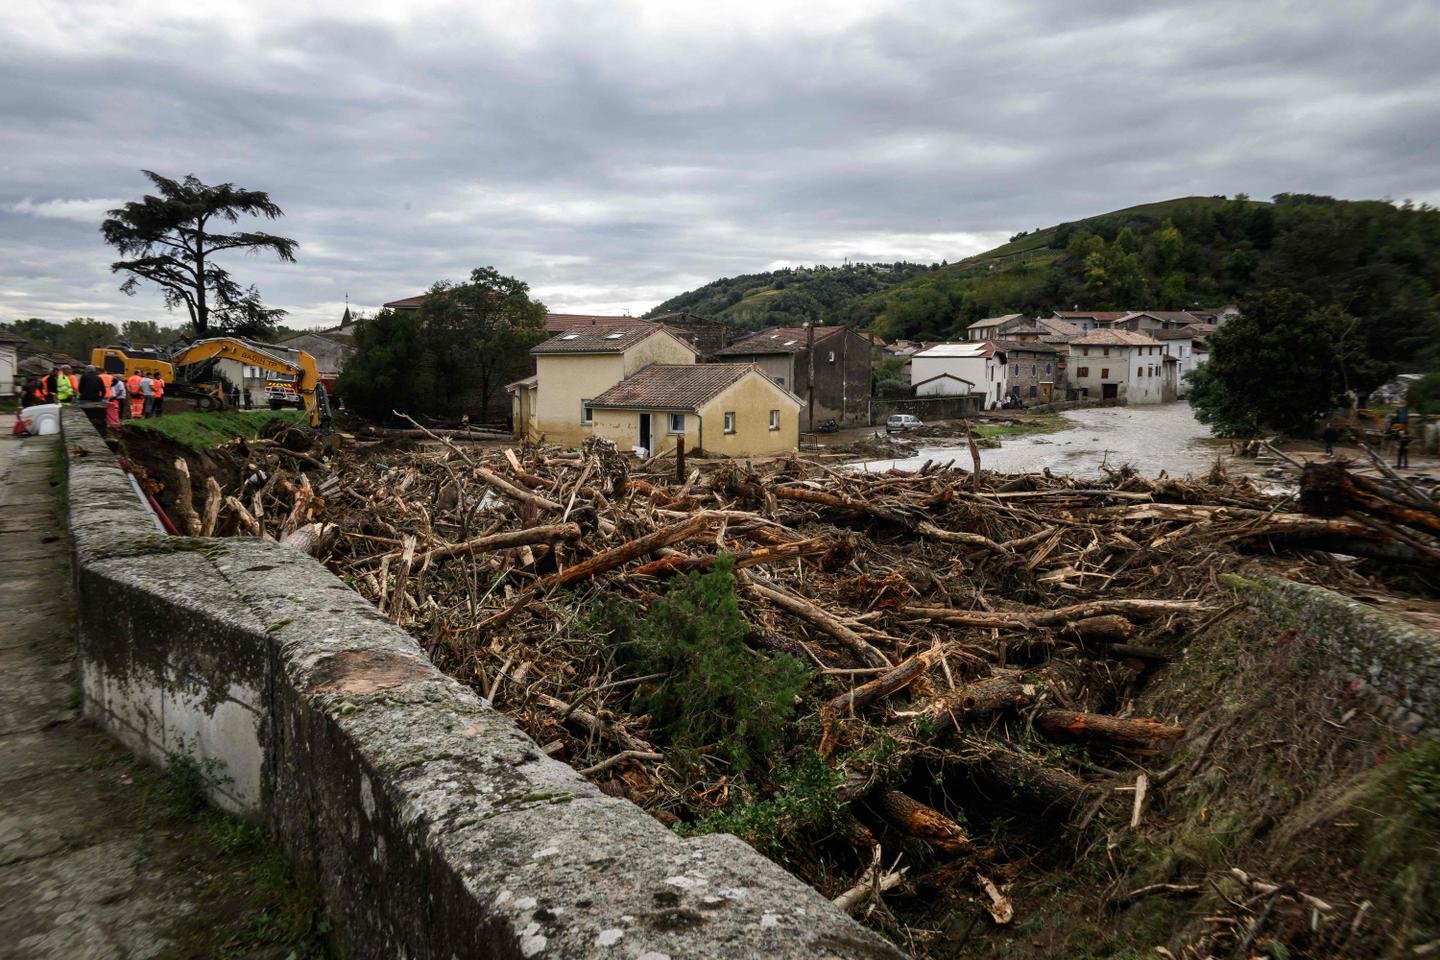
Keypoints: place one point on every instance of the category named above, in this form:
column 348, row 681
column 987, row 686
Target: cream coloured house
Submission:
column 725, row 409
column 575, row 366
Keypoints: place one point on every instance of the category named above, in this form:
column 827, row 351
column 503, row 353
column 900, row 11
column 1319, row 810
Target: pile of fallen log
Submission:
column 990, row 629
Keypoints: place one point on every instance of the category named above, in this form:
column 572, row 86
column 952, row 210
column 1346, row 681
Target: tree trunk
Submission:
column 1127, row 731
column 925, row 822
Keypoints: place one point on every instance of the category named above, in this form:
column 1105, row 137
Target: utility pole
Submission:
column 810, row 375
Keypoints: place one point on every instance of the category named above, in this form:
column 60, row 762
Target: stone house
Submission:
column 1187, row 347
column 841, row 358
column 1036, row 371
column 575, row 367
column 950, row 369
column 724, row 409
column 1122, row 365
column 331, row 348
column 1087, row 320
column 993, row 328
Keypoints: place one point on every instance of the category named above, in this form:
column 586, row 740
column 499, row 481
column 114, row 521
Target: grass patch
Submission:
column 1029, row 424
column 205, row 431
column 250, row 904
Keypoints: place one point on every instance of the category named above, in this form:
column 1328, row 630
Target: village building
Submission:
column 1150, row 320
column 956, row 369
column 331, row 347
column 575, row 367
column 724, row 409
column 841, row 360
column 1122, row 365
column 1186, row 346
column 10, row 345
column 1088, row 320
column 1036, row 371
column 992, row 328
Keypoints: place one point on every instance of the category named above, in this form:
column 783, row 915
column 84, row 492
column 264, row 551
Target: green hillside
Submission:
column 790, row 296
column 1376, row 260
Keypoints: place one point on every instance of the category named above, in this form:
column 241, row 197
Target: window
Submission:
column 1049, row 369
column 677, row 423
column 1084, row 351
column 774, row 419
column 1034, row 370
column 1034, row 391
column 1082, row 371
column 587, row 415
column 1107, row 351
column 780, row 380
column 729, row 421
column 832, row 356
column 1015, row 369
column 1104, row 373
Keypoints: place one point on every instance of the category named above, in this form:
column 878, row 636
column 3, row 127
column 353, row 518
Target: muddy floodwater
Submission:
column 1150, row 438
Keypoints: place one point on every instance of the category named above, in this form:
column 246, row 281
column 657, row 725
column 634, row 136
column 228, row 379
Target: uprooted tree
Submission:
column 169, row 240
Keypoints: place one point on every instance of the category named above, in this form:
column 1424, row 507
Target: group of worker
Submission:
column 145, row 393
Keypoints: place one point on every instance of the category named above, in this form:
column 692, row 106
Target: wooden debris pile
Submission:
column 972, row 635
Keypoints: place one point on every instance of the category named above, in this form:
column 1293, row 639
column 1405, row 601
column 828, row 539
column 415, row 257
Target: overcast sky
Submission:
column 614, row 153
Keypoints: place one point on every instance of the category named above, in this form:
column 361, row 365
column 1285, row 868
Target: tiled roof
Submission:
column 559, row 322
column 1099, row 316
column 530, row 381
column 776, row 340
column 406, row 303
column 1184, row 333
column 1165, row 316
column 994, row 321
column 675, row 386
column 616, row 339
column 1059, row 327
column 1116, row 338
column 972, row 348
column 1033, row 346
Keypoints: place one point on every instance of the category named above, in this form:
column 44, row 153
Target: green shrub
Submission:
column 804, row 807
column 715, row 689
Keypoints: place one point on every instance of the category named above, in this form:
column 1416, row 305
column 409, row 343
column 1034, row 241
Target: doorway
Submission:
column 1109, row 391
column 645, row 433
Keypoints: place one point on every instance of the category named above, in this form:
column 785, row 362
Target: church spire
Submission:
column 346, row 319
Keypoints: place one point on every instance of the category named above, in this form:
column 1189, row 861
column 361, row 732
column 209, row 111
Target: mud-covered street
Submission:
column 1150, row 438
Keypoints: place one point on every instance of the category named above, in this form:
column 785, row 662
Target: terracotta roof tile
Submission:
column 615, row 339
column 1116, row 338
column 776, row 340
column 673, row 386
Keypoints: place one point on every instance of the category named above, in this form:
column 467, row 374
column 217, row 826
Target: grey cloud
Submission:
column 613, row 156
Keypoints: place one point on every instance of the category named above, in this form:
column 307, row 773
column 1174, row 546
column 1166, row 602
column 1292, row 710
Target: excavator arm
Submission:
column 301, row 367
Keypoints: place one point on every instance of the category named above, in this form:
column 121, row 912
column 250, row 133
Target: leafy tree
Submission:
column 1282, row 364
column 169, row 240
column 1424, row 394
column 144, row 333
column 478, row 336
column 451, row 356
column 41, row 335
column 382, row 370
column 83, row 334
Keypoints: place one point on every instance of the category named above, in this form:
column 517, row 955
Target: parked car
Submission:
column 902, row 421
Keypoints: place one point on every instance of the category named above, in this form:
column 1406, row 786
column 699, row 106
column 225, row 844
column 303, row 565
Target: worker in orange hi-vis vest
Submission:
column 158, row 385
column 137, row 400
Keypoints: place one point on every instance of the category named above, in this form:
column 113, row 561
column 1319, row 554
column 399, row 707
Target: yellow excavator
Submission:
column 194, row 365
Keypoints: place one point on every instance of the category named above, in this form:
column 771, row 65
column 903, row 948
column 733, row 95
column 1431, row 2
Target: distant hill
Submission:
column 788, row 297
column 1377, row 260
